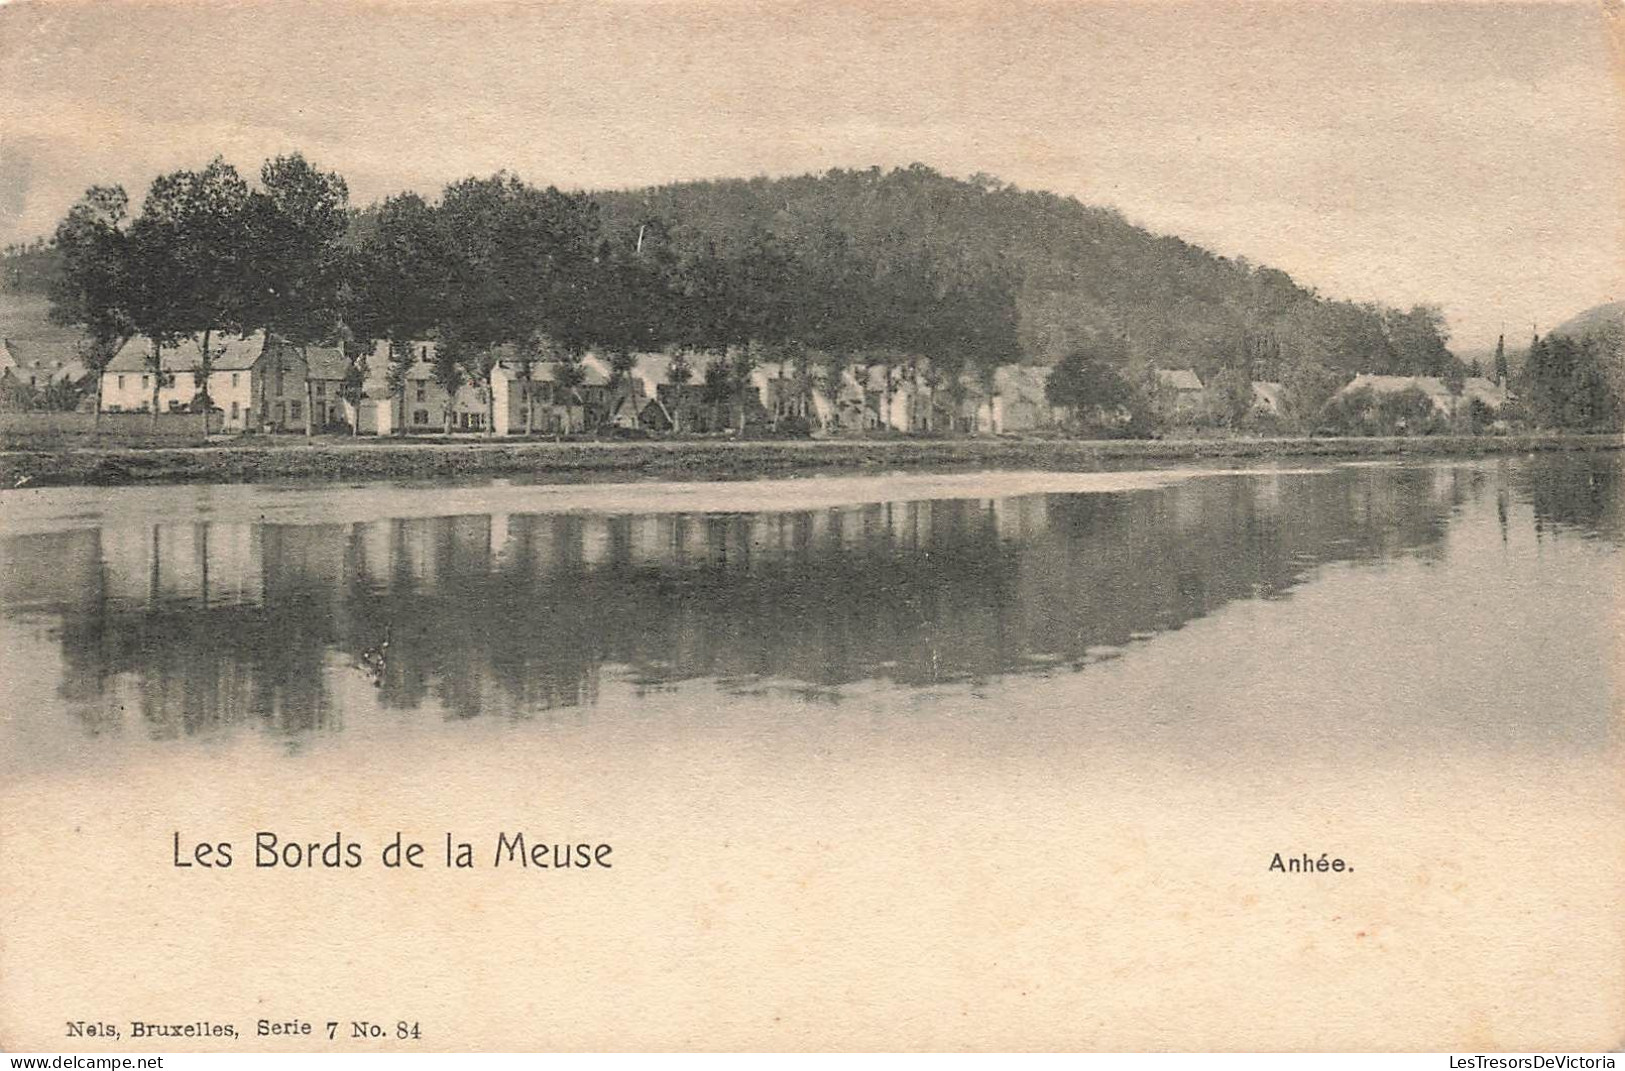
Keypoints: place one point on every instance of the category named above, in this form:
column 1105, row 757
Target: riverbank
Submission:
column 353, row 460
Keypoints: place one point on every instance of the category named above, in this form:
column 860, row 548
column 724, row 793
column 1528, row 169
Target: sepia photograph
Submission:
column 696, row 525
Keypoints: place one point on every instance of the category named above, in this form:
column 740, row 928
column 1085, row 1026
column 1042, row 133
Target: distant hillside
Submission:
column 27, row 269
column 27, row 316
column 1609, row 314
column 1045, row 274
column 1079, row 273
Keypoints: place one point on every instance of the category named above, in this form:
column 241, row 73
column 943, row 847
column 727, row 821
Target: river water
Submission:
column 957, row 759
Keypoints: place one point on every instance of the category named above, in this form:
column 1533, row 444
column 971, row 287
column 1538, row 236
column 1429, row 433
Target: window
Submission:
column 423, row 392
column 321, row 388
column 420, row 416
column 144, row 382
column 234, row 376
column 235, row 411
column 120, row 382
column 294, row 409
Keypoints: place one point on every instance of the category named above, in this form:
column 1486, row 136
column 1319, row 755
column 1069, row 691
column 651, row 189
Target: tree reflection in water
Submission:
column 203, row 624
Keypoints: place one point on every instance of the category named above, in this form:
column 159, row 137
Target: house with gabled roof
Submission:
column 553, row 408
column 40, row 362
column 1185, row 387
column 326, row 368
column 254, row 384
column 1445, row 402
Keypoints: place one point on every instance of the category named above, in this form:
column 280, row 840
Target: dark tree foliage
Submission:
column 91, row 287
column 912, row 260
column 1574, row 383
column 295, row 276
column 863, row 267
column 1365, row 412
column 1089, row 386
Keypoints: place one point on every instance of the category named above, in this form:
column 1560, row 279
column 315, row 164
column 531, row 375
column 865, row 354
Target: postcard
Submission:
column 814, row 526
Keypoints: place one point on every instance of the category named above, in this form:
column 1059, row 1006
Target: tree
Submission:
column 519, row 261
column 199, row 223
column 155, row 290
column 717, row 387
column 1501, row 376
column 294, row 279
column 354, row 387
column 1417, row 339
column 622, row 364
column 526, row 355
column 1573, row 383
column 1307, row 385
column 450, row 373
column 567, row 380
column 1229, row 397
column 92, row 288
column 678, row 373
column 400, row 357
column 397, row 285
column 1091, row 390
column 743, row 370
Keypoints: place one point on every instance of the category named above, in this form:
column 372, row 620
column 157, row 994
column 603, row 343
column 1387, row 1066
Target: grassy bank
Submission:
column 350, row 460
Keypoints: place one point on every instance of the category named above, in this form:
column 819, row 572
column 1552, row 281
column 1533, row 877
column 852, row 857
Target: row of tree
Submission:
column 207, row 256
column 495, row 268
column 850, row 266
column 1569, row 382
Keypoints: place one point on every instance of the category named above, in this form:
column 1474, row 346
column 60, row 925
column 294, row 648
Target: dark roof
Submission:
column 1179, row 378
column 227, row 354
column 54, row 356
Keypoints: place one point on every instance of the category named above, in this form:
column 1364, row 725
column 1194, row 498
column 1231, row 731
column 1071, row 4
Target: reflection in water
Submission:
column 197, row 624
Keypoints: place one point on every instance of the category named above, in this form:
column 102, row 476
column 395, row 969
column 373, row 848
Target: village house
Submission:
column 1017, row 401
column 1184, row 386
column 684, row 408
column 326, row 370
column 1445, row 402
column 787, row 390
column 907, row 403
column 619, row 405
column 858, row 398
column 421, row 407
column 41, row 362
column 553, row 409
column 254, row 384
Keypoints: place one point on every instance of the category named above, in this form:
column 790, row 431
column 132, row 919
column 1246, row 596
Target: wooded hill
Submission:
column 971, row 272
column 1075, row 275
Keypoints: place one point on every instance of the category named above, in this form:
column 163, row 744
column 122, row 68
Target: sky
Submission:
column 1468, row 155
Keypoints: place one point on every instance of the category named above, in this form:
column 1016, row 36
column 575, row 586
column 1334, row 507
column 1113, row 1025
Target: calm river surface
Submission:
column 926, row 760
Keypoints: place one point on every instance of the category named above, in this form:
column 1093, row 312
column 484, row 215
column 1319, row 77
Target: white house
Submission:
column 1018, row 402
column 1438, row 392
column 553, row 409
column 253, row 384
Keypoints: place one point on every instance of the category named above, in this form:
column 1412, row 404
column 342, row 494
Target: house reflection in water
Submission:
column 194, row 625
